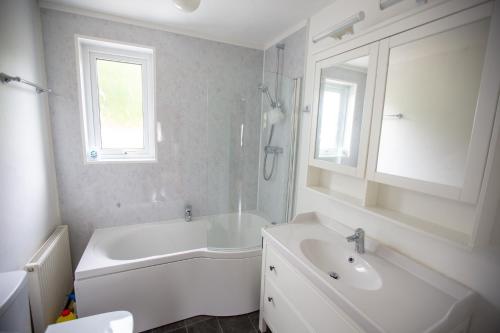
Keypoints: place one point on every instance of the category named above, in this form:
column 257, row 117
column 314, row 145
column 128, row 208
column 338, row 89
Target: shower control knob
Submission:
column 272, row 268
column 270, row 299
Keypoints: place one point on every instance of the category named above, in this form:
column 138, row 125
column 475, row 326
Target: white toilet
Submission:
column 110, row 322
column 15, row 313
column 14, row 306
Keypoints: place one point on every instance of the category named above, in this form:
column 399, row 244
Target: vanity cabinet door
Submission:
column 343, row 96
column 431, row 126
column 320, row 314
column 280, row 315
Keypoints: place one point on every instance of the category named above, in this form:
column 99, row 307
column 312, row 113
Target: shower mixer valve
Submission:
column 273, row 150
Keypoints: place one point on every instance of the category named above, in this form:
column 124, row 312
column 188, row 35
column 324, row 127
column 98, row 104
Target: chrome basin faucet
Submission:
column 188, row 213
column 359, row 239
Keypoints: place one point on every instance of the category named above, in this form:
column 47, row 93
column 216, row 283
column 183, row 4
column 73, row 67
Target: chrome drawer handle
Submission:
column 272, row 268
column 270, row 299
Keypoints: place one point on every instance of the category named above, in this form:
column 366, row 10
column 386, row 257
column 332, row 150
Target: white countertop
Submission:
column 412, row 298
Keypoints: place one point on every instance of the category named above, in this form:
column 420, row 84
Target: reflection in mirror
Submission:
column 430, row 100
column 342, row 91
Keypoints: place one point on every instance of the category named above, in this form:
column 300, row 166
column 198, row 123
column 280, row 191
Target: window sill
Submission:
column 121, row 161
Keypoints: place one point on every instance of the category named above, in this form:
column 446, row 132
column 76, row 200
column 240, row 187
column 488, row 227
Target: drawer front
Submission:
column 321, row 314
column 279, row 314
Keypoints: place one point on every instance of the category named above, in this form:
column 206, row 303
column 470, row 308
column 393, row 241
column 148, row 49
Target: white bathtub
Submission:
column 167, row 271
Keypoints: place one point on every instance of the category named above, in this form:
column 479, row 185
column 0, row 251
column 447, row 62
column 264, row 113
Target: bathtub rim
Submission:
column 93, row 264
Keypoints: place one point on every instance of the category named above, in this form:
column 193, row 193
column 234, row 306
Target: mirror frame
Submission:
column 321, row 61
column 482, row 128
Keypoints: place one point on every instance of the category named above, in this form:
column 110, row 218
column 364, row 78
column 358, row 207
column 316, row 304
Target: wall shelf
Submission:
column 421, row 226
column 332, row 194
column 411, row 210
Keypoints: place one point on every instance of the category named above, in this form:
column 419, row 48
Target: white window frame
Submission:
column 89, row 50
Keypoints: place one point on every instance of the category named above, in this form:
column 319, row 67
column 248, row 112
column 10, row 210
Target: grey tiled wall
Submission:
column 204, row 91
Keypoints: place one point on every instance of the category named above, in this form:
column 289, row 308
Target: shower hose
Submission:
column 275, row 155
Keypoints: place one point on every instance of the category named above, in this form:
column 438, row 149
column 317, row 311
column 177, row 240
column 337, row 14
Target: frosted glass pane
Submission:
column 433, row 84
column 120, row 104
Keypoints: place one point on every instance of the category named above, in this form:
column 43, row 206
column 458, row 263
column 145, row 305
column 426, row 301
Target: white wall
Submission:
column 28, row 196
column 478, row 269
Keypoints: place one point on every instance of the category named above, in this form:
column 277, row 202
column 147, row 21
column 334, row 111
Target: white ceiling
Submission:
column 252, row 23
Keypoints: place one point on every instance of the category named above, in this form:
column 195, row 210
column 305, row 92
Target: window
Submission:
column 117, row 94
column 338, row 105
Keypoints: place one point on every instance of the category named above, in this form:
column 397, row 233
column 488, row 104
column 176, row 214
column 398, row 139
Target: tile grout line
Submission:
column 220, row 326
column 185, row 326
column 251, row 323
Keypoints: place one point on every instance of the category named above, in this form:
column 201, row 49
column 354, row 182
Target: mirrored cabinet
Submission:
column 427, row 92
column 402, row 121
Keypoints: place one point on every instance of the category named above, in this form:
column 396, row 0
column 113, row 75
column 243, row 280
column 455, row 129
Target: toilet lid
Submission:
column 110, row 322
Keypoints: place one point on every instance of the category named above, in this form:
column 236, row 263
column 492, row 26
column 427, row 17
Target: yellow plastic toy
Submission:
column 66, row 315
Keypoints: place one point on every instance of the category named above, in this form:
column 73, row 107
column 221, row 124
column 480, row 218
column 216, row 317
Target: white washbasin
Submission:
column 341, row 264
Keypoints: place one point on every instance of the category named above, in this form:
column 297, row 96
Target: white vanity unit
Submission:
column 313, row 281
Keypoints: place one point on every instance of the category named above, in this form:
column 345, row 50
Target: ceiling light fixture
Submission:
column 187, row 6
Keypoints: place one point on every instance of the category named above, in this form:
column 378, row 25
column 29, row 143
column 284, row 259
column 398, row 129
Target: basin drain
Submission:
column 334, row 275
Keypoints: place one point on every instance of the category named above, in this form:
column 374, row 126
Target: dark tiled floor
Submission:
column 247, row 323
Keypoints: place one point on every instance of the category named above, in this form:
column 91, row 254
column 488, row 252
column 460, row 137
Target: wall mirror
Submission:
column 343, row 95
column 426, row 109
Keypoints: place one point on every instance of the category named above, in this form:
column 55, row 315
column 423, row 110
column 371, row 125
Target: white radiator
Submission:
column 50, row 278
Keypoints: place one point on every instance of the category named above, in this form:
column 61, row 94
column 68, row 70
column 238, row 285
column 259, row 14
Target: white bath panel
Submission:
column 162, row 294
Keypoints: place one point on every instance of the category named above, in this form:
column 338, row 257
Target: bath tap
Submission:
column 359, row 239
column 188, row 213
